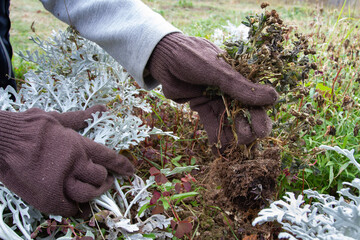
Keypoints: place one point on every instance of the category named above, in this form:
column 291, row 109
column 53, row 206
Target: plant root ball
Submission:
column 249, row 183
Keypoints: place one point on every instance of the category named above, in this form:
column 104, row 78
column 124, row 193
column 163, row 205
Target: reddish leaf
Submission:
column 188, row 178
column 187, row 186
column 173, row 224
column 183, row 228
column 36, row 232
column 99, row 217
column 166, row 194
column 51, row 227
column 155, row 197
column 158, row 209
column 92, row 222
column 160, row 179
column 178, row 187
column 154, row 171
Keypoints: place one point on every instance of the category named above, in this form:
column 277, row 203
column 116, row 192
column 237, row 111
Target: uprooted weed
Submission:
column 276, row 55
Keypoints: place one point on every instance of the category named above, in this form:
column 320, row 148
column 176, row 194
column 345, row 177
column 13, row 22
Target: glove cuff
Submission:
column 17, row 128
column 162, row 57
column 10, row 127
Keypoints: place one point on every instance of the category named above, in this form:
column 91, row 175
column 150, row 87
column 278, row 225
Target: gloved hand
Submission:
column 186, row 66
column 51, row 166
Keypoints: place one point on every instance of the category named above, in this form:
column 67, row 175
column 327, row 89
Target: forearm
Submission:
column 127, row 29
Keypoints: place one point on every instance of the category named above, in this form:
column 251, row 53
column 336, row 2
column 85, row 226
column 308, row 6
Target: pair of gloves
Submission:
column 48, row 164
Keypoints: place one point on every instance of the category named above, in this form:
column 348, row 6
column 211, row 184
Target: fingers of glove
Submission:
column 182, row 92
column 108, row 158
column 200, row 64
column 244, row 132
column 210, row 112
column 76, row 119
column 239, row 87
column 91, row 173
column 260, row 122
column 82, row 192
column 248, row 93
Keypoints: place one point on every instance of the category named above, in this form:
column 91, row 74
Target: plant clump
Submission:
column 274, row 55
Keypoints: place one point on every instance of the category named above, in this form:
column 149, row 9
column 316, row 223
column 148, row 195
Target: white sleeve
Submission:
column 127, row 29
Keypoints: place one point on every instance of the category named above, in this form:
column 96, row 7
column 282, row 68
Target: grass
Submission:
column 27, row 15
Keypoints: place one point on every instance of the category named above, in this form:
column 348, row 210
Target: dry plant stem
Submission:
column 300, row 106
column 303, row 185
column 195, row 135
column 333, row 85
column 350, row 83
column 233, row 118
column 173, row 210
column 97, row 224
column 219, row 134
column 284, row 149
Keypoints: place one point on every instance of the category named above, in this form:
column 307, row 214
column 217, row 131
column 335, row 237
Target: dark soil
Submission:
column 240, row 186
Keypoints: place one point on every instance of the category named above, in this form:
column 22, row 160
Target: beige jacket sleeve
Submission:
column 127, row 29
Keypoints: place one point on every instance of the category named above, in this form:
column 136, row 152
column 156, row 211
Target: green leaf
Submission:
column 151, row 235
column 323, row 88
column 342, row 168
column 176, row 160
column 246, row 23
column 182, row 196
column 331, row 175
column 193, row 161
column 143, row 208
column 167, row 172
column 165, row 204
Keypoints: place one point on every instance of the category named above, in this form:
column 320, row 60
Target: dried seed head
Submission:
column 264, row 5
column 330, row 130
column 267, row 14
column 347, row 100
column 294, row 137
column 314, row 66
column 295, row 113
column 319, row 122
column 306, row 92
column 356, row 130
column 303, row 116
column 311, row 121
column 320, row 100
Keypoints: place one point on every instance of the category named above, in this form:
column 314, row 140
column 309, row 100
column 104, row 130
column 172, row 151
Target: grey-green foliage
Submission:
column 325, row 218
column 22, row 216
column 119, row 221
column 74, row 74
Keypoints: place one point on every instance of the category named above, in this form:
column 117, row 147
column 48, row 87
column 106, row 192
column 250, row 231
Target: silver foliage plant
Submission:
column 326, row 218
column 74, row 74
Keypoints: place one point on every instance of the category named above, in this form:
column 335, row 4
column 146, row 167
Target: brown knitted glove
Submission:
column 51, row 166
column 186, row 66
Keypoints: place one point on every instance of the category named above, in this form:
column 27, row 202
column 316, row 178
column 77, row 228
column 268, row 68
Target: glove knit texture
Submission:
column 52, row 167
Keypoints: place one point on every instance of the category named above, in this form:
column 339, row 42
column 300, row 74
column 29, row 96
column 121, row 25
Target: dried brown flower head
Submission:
column 265, row 4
